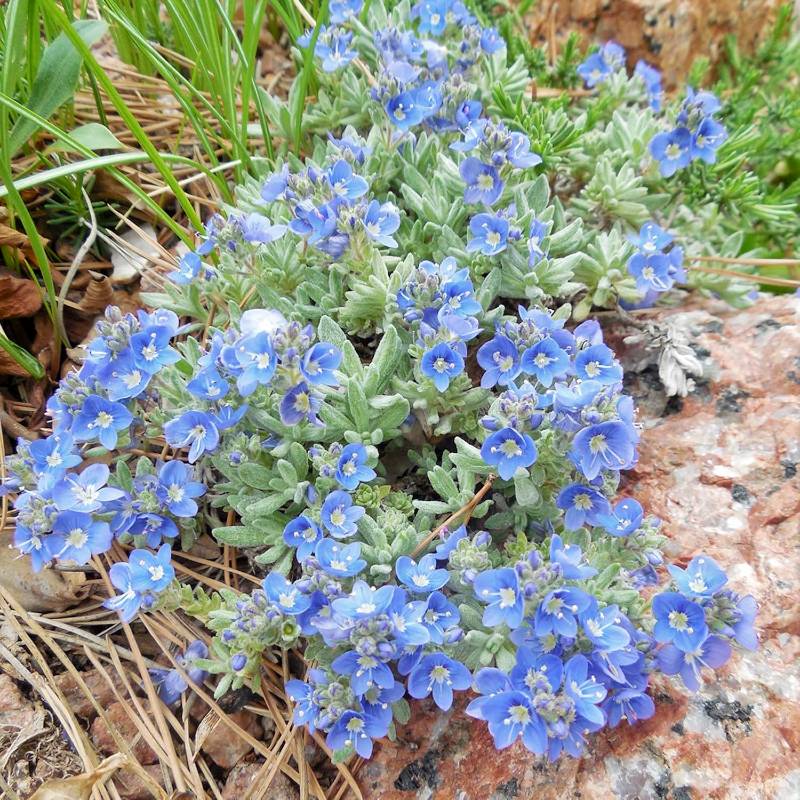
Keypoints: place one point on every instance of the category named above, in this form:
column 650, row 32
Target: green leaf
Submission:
column 255, row 475
column 526, row 491
column 92, row 135
column 56, row 79
column 402, row 711
column 239, row 536
column 124, row 477
column 329, row 331
column 22, row 357
column 384, row 362
column 443, row 484
column 357, row 403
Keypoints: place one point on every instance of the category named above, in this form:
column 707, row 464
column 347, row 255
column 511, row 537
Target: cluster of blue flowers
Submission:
column 696, row 135
column 610, row 59
column 439, row 303
column 695, row 624
column 657, row 263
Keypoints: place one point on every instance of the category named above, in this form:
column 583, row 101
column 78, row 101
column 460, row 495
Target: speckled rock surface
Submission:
column 668, row 33
column 721, row 469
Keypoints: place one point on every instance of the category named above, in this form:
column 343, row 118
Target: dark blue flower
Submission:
column 500, row 589
column 345, row 183
column 123, row 380
column 703, row 577
column 597, row 363
column 672, row 150
column 77, row 537
column 339, row 515
column 570, row 558
column 364, row 671
column 304, row 535
column 712, row 652
column 439, row 615
column 300, row 404
column 586, row 692
column 678, row 621
column 441, row 364
column 632, row 704
column 86, row 491
column 151, row 572
column 357, row 730
column 545, row 360
column 607, row 445
column 484, row 184
column 581, row 504
column 129, row 601
column 209, row 385
column 707, row 139
column 406, row 618
column 195, row 430
column 422, row 577
column 341, row 561
column 624, row 519
column 381, row 220
column 285, row 595
column 151, row 349
column 511, row 716
column 403, row 111
column 500, row 361
column 102, row 420
column 489, row 234
column 558, row 612
column 508, row 450
column 351, row 468
column 319, row 363
column 438, row 675
column 177, row 489
column 257, row 360
column 170, row 683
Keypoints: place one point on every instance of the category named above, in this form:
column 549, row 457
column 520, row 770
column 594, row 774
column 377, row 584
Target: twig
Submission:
column 465, row 511
column 75, row 265
column 768, row 280
column 755, row 262
column 14, row 428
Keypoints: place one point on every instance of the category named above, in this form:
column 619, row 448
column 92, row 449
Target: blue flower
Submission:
column 54, row 455
column 672, row 150
column 315, row 224
column 275, row 185
column 534, row 672
column 511, row 716
column 492, row 41
column 500, row 589
column 299, row 404
column 432, row 15
column 285, row 595
column 319, row 363
column 170, row 683
column 341, row 561
column 569, row 558
column 707, row 139
column 594, row 70
column 546, row 361
column 364, row 601
column 151, row 572
column 256, row 228
column 678, row 621
column 651, row 239
column 468, row 112
column 177, row 490
column 519, row 152
column 603, row 629
column 581, row 504
column 209, row 385
column 403, row 110
column 406, row 618
column 151, row 349
column 154, row 527
column 438, row 675
column 701, row 578
column 86, row 491
column 632, row 704
column 345, row 183
column 381, row 220
column 489, row 234
column 256, row 357
column 587, row 693
column 304, row 535
column 189, row 269
column 195, row 430
column 357, row 730
column 351, row 467
column 100, row 419
column 341, row 10
column 422, row 577
column 597, row 363
column 712, row 652
column 124, row 380
column 335, row 51
column 624, row 519
column 508, row 450
column 653, row 273
column 558, row 612
column 77, row 537
column 441, row 364
column 536, row 236
column 500, row 361
column 228, row 416
column 339, row 515
column 129, row 601
column 364, row 671
column 652, row 82
column 377, row 702
column 607, row 445
column 439, row 615
column 484, row 184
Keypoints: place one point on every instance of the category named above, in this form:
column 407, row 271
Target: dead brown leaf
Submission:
column 47, row 590
column 79, row 787
column 19, row 297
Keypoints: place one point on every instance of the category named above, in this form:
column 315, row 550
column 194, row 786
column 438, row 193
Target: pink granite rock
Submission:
column 721, row 469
